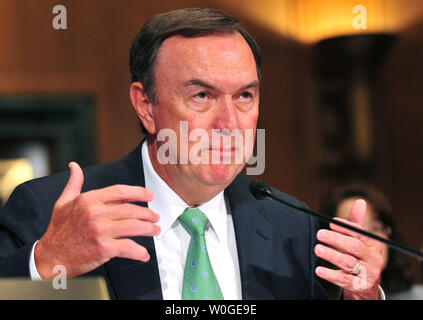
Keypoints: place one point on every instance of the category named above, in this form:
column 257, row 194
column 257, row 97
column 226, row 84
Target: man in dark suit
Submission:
column 122, row 220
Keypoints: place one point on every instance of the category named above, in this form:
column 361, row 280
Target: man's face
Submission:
column 211, row 83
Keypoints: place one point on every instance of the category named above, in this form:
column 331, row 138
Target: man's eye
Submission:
column 246, row 95
column 201, row 95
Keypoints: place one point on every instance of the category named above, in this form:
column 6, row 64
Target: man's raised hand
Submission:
column 88, row 229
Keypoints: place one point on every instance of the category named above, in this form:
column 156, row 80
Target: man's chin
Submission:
column 222, row 174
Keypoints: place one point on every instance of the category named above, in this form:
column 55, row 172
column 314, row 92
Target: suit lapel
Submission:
column 132, row 279
column 254, row 235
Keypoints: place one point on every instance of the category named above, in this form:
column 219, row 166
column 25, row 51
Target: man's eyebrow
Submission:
column 198, row 82
column 252, row 84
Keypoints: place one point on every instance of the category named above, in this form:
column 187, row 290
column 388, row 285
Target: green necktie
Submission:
column 200, row 282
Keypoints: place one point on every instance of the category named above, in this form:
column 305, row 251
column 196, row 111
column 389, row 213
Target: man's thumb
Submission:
column 74, row 185
column 358, row 212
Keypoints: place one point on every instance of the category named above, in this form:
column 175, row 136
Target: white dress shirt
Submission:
column 173, row 241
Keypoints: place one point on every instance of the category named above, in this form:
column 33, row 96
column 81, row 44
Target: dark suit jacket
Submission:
column 274, row 242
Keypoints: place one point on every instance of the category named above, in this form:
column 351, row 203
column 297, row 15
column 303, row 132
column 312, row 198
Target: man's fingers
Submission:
column 123, row 193
column 343, row 243
column 129, row 249
column 361, row 286
column 337, row 277
column 358, row 212
column 120, row 211
column 368, row 241
column 133, row 228
column 74, row 184
column 339, row 259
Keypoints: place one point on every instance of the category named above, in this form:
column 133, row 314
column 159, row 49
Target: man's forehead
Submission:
column 222, row 41
column 220, row 48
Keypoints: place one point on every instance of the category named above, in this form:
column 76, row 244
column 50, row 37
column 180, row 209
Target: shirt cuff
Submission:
column 32, row 267
column 381, row 293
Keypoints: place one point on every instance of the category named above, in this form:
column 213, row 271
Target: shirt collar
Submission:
column 170, row 206
column 215, row 211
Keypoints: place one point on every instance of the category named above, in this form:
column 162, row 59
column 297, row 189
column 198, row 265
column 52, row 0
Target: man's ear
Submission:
column 143, row 106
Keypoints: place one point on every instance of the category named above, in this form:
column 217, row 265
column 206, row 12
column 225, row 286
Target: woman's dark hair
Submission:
column 189, row 22
column 397, row 275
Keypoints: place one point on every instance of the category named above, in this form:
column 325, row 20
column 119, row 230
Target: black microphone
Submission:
column 260, row 190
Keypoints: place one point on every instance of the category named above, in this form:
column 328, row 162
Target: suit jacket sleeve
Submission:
column 21, row 224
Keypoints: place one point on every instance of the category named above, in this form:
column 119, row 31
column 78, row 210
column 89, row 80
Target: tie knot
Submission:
column 194, row 220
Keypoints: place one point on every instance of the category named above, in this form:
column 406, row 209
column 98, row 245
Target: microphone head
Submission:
column 259, row 189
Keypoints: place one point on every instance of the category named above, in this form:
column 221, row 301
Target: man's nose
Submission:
column 226, row 115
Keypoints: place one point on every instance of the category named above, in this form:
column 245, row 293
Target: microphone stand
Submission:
column 260, row 190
